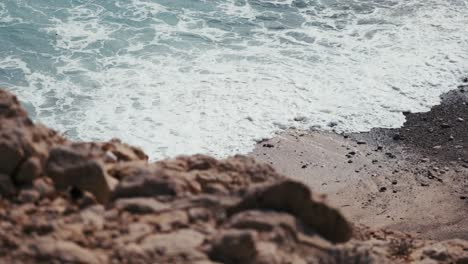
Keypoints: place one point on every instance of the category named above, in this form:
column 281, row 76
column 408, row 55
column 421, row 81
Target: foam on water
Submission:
column 192, row 76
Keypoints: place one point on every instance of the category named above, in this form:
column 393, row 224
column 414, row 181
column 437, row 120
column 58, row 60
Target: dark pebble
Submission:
column 268, row 145
column 332, row 124
column 383, row 189
column 361, row 142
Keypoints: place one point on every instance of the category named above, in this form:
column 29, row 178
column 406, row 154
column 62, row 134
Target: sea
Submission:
column 215, row 76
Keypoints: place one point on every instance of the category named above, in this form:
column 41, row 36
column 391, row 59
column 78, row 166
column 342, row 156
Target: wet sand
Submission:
column 412, row 179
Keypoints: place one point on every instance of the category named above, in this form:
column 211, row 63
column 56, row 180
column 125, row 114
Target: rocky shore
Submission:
column 75, row 202
column 411, row 179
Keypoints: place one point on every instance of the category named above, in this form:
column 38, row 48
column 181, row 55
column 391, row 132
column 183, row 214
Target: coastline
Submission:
column 104, row 202
column 411, row 179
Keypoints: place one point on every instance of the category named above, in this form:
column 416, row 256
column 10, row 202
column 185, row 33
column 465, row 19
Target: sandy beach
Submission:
column 411, row 179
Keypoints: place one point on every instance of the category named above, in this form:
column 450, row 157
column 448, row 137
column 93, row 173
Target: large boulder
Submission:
column 71, row 167
column 296, row 198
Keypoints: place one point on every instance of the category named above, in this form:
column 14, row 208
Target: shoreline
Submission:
column 411, row 179
column 104, row 202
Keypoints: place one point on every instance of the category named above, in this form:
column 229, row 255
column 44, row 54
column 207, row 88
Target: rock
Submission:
column 262, row 221
column 87, row 199
column 10, row 106
column 300, row 118
column 38, row 226
column 47, row 249
column 168, row 221
column 68, row 167
column 445, row 125
column 147, row 184
column 140, row 205
column 139, row 230
column 7, row 188
column 463, row 87
column 28, row 196
column 44, row 186
column 451, row 251
column 234, row 246
column 123, row 152
column 190, row 175
column 215, row 188
column 295, row 198
column 93, row 216
column 332, row 124
column 30, row 170
column 11, row 149
column 199, row 214
column 181, row 244
column 23, row 145
column 132, row 253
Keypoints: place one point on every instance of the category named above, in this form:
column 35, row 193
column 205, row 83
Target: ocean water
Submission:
column 212, row 76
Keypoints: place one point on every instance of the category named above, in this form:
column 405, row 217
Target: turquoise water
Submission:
column 187, row 76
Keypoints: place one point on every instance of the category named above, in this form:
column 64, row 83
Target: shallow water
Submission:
column 192, row 76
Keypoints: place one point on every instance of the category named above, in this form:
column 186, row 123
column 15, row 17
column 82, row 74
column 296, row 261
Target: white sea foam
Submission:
column 213, row 76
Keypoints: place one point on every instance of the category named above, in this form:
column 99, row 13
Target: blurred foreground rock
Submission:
column 67, row 202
